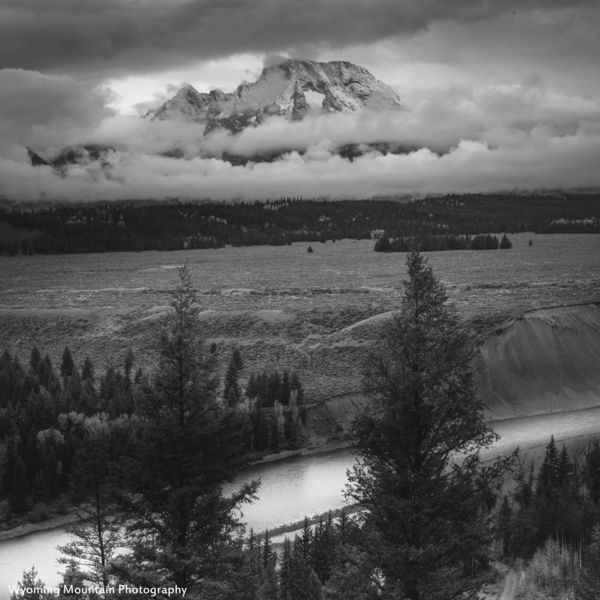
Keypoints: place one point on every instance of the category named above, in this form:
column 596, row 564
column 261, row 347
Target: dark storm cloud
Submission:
column 100, row 38
column 46, row 110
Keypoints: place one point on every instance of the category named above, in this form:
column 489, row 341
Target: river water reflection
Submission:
column 299, row 486
column 289, row 490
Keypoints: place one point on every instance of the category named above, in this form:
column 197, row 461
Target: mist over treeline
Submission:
column 134, row 226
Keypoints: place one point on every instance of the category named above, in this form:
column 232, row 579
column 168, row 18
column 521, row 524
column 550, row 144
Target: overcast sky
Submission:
column 500, row 94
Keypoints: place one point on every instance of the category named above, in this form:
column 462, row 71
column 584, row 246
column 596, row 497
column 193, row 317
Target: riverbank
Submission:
column 60, row 521
column 52, row 523
column 307, row 451
column 294, row 486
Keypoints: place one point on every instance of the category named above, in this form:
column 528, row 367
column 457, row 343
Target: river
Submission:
column 299, row 486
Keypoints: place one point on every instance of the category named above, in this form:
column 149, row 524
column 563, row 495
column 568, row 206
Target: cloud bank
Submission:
column 519, row 136
column 470, row 166
column 501, row 95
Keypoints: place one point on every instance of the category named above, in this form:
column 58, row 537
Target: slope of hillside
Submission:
column 546, row 361
column 543, row 361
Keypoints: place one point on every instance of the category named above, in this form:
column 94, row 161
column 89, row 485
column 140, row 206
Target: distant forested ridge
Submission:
column 135, row 226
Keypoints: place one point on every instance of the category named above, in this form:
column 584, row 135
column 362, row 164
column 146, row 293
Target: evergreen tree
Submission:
column 48, row 377
column 420, row 476
column 231, row 391
column 73, row 577
column 523, row 534
column 31, row 581
column 546, row 496
column 273, row 389
column 98, row 536
column 303, row 581
column 296, row 386
column 30, row 457
column 251, row 388
column 48, row 480
column 284, row 394
column 383, row 244
column 87, row 370
column 35, row 360
column 236, row 358
column 505, row 243
column 353, row 576
column 565, row 470
column 323, row 548
column 11, row 454
column 588, row 584
column 67, row 366
column 129, row 360
column 548, row 476
column 306, row 540
column 179, row 525
column 591, row 471
column 505, row 527
column 18, row 498
column 285, row 571
column 268, row 585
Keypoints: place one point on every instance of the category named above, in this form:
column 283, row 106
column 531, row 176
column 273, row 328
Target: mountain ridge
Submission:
column 292, row 88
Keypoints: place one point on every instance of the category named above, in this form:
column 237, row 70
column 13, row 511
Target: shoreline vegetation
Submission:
column 56, row 521
column 47, row 412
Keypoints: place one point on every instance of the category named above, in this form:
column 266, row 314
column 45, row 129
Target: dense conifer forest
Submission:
column 135, row 226
column 551, row 521
column 439, row 243
column 47, row 412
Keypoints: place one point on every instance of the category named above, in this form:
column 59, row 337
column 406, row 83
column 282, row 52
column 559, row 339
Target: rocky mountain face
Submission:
column 82, row 154
column 293, row 88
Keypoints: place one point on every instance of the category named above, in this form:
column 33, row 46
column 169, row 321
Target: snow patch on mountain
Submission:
column 292, row 88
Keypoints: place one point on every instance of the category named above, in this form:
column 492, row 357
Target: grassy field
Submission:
column 282, row 306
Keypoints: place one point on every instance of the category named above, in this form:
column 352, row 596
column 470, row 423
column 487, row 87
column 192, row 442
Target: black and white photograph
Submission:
column 300, row 299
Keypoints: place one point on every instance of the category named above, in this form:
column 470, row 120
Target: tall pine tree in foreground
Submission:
column 428, row 496
column 180, row 526
column 95, row 541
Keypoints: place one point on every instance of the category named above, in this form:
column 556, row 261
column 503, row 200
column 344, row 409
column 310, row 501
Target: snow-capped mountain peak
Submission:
column 292, row 88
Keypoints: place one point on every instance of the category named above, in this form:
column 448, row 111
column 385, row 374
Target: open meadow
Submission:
column 262, row 291
column 283, row 307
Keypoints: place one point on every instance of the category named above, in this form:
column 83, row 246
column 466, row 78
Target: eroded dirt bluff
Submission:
column 546, row 361
column 535, row 363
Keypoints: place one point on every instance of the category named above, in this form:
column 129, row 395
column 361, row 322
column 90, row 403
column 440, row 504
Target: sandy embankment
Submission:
column 52, row 523
column 547, row 361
